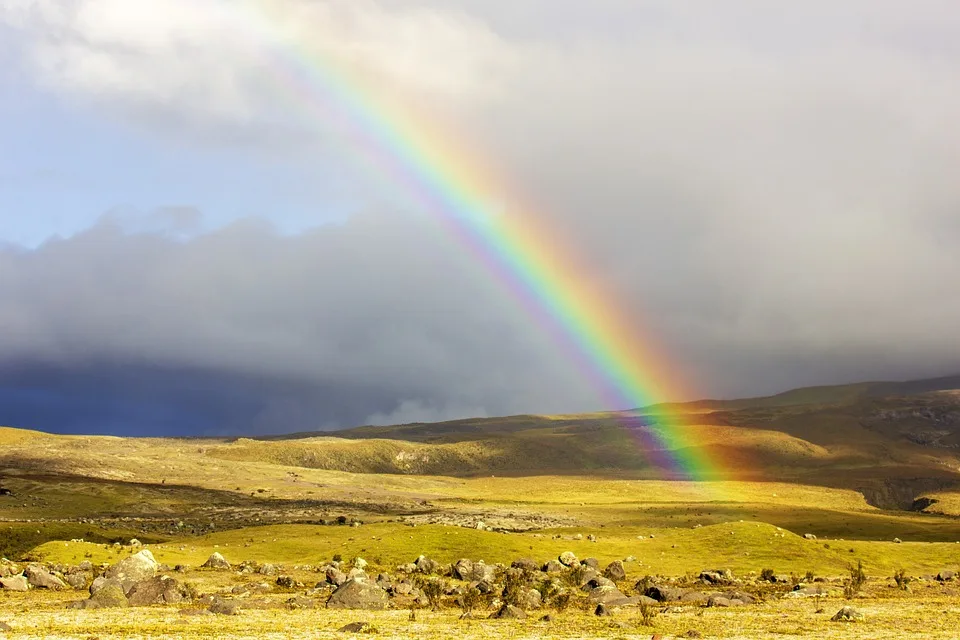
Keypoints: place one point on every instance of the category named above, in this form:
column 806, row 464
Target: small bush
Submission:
column 648, row 614
column 810, row 576
column 767, row 575
column 902, row 580
column 433, row 590
column 857, row 579
column 561, row 601
column 574, row 576
column 470, row 600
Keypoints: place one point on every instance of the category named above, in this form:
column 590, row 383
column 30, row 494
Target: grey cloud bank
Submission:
column 772, row 194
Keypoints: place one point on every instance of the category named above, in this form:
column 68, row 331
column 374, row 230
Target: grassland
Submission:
column 840, row 463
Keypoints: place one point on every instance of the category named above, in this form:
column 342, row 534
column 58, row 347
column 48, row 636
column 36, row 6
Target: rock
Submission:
column 470, row 571
column 599, row 581
column 847, row 614
column 692, row 633
column 110, row 596
column 216, row 561
column 359, row 563
column 224, row 607
column 301, row 602
column 663, row 594
column 615, row 571
column 78, row 580
column 509, row 612
column 809, row 536
column 716, row 577
column 529, row 599
column 358, row 595
column 43, row 579
column 525, row 564
column 601, row 610
column 140, row 566
column 553, row 567
column 5, row 627
column 718, row 601
column 287, row 582
column 946, row 576
column 268, row 570
column 157, row 590
column 694, row 597
column 357, row 574
column 335, row 576
column 353, row 627
column 547, row 618
column 14, row 583
column 593, row 563
column 195, row 612
column 568, row 559
column 427, row 566
column 604, row 594
column 807, row 592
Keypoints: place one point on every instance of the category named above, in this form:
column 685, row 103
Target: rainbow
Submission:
column 526, row 257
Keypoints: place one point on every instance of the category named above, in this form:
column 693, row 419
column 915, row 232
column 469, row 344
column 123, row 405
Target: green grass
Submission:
column 741, row 547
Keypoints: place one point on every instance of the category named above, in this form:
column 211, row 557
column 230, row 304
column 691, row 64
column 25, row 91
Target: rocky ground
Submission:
column 562, row 597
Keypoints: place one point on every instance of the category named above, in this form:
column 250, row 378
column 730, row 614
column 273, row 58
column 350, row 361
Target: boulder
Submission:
column 358, row 595
column 335, row 576
column 5, row 627
column 663, row 594
column 593, row 563
column 268, row 570
column 140, row 566
column 216, row 561
column 470, row 571
column 604, row 594
column 947, row 576
column 615, row 571
column 509, row 612
column 529, row 599
column 552, row 567
column 14, row 583
column 809, row 536
column 716, row 577
column 525, row 564
column 111, row 596
column 602, row 610
column 78, row 580
column 43, row 579
column 225, row 607
column 694, row 597
column 353, row 627
column 426, row 565
column 157, row 590
column 568, row 559
column 847, row 614
column 719, row 601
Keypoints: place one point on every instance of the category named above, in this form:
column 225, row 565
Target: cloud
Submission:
column 770, row 192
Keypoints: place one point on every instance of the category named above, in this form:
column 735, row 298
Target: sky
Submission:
column 192, row 242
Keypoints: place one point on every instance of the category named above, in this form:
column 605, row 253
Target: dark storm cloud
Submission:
column 245, row 330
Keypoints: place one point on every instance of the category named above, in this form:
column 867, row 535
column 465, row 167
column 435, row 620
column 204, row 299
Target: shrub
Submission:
column 767, row 575
column 648, row 613
column 857, row 579
column 433, row 590
column 470, row 600
column 902, row 580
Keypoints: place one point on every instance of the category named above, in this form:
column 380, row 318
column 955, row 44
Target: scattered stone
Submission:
column 716, row 577
column 224, row 607
column 809, row 536
column 14, row 583
column 601, row 610
column 509, row 612
column 693, row 633
column 604, row 594
column 593, row 563
column 359, row 563
column 946, row 576
column 470, row 571
column 526, row 564
column 694, row 597
column 547, row 618
column 897, row 541
column 195, row 612
column 847, row 614
column 530, row 599
column 568, row 559
column 353, row 627
column 287, row 582
column 662, row 594
column 216, row 561
column 335, row 576
column 140, row 566
column 78, row 580
column 157, row 590
column 268, row 570
column 5, row 627
column 552, row 567
column 719, row 601
column 110, row 596
column 358, row 595
column 302, row 602
column 426, row 565
column 43, row 579
column 615, row 571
